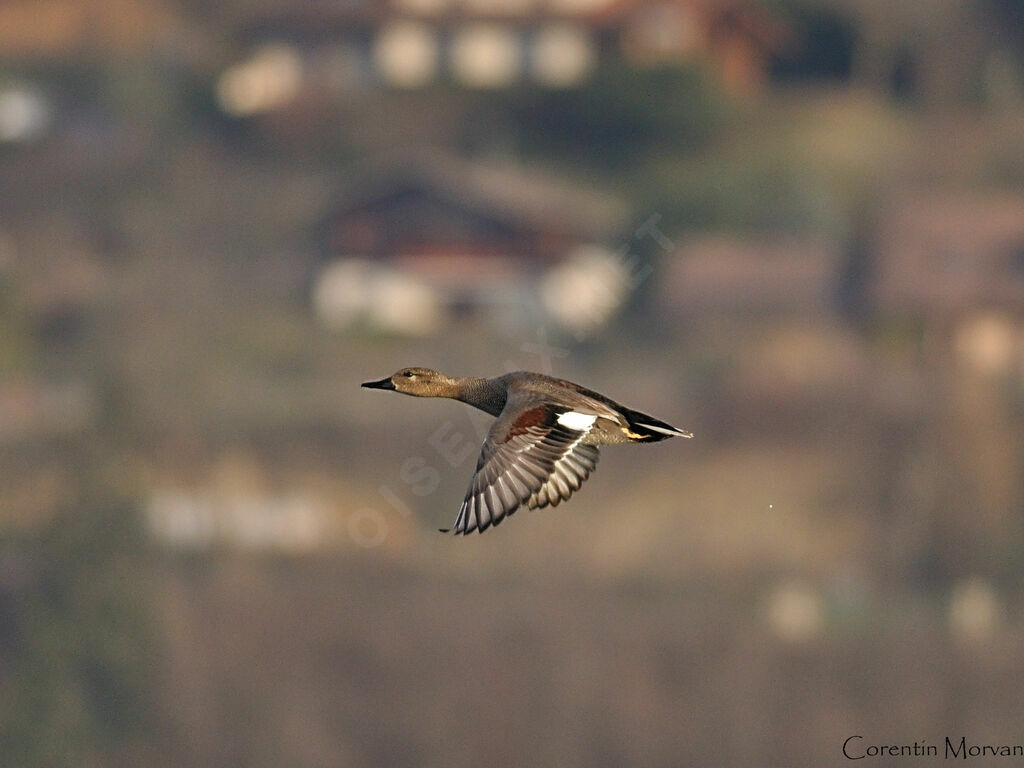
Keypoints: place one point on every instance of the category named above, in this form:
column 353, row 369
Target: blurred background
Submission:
column 795, row 227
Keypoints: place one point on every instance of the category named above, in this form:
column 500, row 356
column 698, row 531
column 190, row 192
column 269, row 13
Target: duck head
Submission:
column 419, row 382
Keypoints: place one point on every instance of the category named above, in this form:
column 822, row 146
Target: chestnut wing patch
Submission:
column 541, row 416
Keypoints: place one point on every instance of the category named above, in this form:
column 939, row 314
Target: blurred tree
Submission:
column 822, row 43
column 933, row 52
column 1010, row 16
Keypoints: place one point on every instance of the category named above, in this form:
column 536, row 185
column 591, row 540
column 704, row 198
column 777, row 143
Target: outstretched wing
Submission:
column 569, row 473
column 537, row 459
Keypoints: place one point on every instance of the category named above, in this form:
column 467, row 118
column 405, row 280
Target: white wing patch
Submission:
column 578, row 421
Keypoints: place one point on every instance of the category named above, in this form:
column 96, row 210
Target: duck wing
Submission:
column 533, row 454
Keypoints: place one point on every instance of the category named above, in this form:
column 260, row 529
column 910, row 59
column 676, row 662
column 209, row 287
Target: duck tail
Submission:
column 644, row 428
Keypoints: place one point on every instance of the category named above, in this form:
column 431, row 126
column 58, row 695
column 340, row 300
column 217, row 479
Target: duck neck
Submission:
column 486, row 394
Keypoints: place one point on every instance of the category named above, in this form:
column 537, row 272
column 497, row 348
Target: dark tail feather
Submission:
column 651, row 429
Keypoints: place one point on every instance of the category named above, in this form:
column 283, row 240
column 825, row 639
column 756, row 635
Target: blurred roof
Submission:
column 526, row 197
column 37, row 29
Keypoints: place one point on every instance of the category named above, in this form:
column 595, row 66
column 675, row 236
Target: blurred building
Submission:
column 715, row 275
column 480, row 44
column 953, row 264
column 425, row 239
column 773, row 303
column 939, row 255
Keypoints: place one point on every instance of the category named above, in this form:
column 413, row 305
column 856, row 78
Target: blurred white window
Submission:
column 562, row 55
column 406, row 54
column 486, row 56
column 270, row 78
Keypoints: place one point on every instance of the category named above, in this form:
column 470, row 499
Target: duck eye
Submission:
column 407, row 374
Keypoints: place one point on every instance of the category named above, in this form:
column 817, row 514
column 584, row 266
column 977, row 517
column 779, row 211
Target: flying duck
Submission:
column 543, row 444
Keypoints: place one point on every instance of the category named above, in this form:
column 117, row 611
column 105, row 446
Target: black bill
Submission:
column 382, row 384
